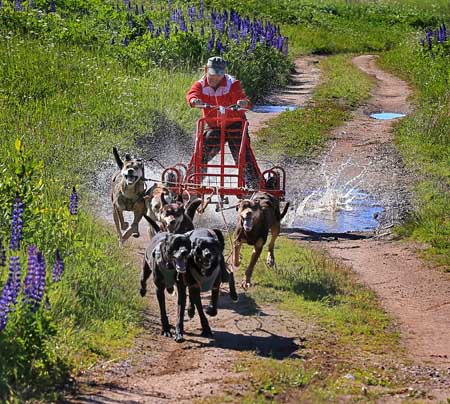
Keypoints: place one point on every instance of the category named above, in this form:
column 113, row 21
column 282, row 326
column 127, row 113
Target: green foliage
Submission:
column 424, row 140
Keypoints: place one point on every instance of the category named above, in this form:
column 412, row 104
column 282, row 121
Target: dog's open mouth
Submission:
column 131, row 179
column 247, row 223
column 180, row 265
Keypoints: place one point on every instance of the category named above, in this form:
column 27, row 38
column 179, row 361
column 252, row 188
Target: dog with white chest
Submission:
column 127, row 194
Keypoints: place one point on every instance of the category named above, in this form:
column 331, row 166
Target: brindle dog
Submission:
column 256, row 216
column 127, row 194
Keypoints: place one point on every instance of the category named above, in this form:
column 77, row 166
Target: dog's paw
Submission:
column 143, row 292
column 245, row 284
column 207, row 334
column 166, row 333
column 211, row 311
column 270, row 261
column 179, row 337
column 191, row 311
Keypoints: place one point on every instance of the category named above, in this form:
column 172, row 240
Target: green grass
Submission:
column 295, row 134
column 424, row 141
column 347, row 330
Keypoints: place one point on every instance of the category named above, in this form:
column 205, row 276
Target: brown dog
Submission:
column 127, row 194
column 256, row 216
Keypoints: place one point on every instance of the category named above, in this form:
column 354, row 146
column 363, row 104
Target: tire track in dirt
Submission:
column 159, row 370
column 410, row 290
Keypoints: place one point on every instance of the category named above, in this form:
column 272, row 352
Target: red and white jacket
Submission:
column 228, row 93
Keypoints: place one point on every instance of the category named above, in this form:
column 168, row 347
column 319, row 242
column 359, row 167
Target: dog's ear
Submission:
column 163, row 200
column 117, row 158
column 127, row 157
column 191, row 208
column 153, row 223
column 220, row 237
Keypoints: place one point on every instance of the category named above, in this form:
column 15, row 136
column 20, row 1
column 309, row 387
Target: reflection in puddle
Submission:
column 387, row 115
column 273, row 108
column 328, row 212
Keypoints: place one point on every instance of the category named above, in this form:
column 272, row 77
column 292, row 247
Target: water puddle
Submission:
column 328, row 211
column 387, row 115
column 274, row 108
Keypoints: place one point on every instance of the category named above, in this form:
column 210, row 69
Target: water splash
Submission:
column 339, row 205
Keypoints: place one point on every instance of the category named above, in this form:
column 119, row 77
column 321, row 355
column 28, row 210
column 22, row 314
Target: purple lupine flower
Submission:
column 210, row 43
column 113, row 41
column 201, row 10
column 150, row 25
column 192, row 13
column 158, row 32
column 34, row 283
column 17, row 224
column 1, row 4
column 125, row 2
column 18, row 5
column 10, row 291
column 58, row 267
column 74, row 198
column 52, row 6
column 219, row 47
column 182, row 24
column 2, row 254
column 166, row 30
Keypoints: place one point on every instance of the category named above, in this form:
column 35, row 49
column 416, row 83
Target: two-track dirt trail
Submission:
column 415, row 295
column 158, row 369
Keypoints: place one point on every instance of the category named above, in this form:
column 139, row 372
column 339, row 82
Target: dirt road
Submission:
column 417, row 297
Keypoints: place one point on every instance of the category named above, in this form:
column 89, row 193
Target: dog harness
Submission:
column 206, row 282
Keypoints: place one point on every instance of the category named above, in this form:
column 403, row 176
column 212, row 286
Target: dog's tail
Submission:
column 117, row 157
column 152, row 223
column 283, row 214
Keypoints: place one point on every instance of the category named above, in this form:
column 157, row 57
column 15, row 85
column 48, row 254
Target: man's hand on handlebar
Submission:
column 196, row 101
column 242, row 103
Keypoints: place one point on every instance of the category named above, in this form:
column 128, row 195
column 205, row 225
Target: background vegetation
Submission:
column 79, row 76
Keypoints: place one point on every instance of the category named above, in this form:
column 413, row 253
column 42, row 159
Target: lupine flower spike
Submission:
column 16, row 225
column 10, row 291
column 34, row 283
column 73, row 204
column 58, row 267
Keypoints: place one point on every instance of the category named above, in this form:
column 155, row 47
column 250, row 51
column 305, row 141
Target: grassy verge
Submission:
column 295, row 134
column 349, row 348
column 69, row 106
column 424, row 141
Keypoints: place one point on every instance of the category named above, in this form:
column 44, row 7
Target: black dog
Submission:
column 205, row 271
column 167, row 257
